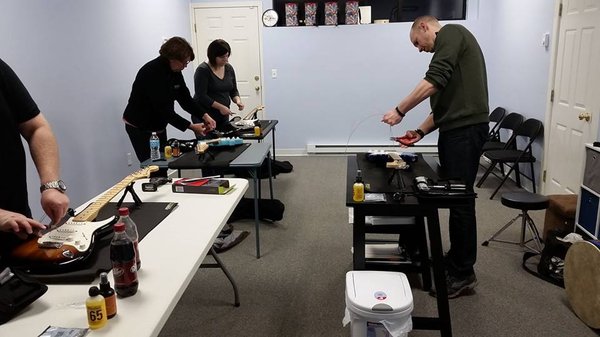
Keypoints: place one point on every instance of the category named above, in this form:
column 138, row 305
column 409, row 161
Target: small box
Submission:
column 352, row 12
column 310, row 13
column 201, row 185
column 291, row 14
column 331, row 12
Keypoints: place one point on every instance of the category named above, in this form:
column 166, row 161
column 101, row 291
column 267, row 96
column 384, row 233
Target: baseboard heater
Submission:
column 355, row 148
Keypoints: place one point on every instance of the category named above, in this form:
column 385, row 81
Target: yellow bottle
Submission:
column 358, row 189
column 257, row 131
column 168, row 152
column 96, row 309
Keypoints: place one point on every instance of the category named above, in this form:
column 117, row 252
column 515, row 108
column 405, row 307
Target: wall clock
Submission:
column 270, row 17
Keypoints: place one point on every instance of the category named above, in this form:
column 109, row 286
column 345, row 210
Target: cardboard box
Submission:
column 201, row 185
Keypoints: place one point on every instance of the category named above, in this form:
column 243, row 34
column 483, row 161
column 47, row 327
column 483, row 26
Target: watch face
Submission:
column 270, row 18
column 62, row 186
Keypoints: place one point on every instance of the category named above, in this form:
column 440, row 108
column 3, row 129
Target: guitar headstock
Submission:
column 144, row 173
column 254, row 111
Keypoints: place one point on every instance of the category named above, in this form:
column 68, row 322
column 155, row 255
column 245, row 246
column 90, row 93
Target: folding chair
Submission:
column 508, row 125
column 496, row 117
column 512, row 156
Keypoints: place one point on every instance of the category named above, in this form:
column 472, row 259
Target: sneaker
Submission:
column 458, row 286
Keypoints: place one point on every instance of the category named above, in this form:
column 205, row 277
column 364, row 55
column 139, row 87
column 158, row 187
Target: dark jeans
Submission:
column 459, row 151
column 140, row 140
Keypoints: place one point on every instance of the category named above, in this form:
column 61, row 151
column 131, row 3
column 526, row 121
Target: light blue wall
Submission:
column 519, row 65
column 78, row 58
column 333, row 81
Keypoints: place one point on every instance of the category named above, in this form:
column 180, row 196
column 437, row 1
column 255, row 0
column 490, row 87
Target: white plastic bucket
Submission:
column 378, row 304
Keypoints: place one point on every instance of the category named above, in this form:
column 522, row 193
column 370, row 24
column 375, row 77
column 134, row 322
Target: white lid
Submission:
column 382, row 293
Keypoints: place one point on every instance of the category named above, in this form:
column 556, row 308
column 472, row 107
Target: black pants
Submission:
column 140, row 140
column 459, row 151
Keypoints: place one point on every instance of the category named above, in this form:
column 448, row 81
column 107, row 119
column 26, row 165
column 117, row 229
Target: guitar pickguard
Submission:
column 77, row 234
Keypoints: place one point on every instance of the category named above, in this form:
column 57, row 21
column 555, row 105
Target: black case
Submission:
column 17, row 293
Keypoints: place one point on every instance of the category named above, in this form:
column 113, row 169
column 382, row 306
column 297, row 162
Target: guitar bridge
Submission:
column 50, row 244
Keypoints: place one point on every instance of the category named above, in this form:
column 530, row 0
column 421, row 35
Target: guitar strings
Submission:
column 357, row 124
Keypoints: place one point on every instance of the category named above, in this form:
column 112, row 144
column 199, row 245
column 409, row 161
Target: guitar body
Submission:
column 63, row 248
column 68, row 244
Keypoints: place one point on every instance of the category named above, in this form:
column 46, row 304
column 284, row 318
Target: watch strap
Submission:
column 54, row 184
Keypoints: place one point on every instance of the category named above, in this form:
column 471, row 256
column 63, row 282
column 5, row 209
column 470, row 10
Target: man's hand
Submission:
column 19, row 224
column 240, row 105
column 55, row 204
column 409, row 138
column 198, row 128
column 209, row 122
column 392, row 117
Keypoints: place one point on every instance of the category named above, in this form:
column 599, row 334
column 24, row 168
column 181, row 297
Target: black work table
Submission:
column 266, row 126
column 249, row 156
column 378, row 177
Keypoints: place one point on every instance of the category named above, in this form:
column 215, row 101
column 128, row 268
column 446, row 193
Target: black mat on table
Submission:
column 215, row 156
column 378, row 176
column 146, row 217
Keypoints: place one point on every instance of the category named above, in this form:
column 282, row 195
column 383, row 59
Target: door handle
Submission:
column 585, row 116
column 256, row 78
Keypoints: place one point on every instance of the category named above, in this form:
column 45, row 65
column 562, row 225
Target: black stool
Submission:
column 525, row 201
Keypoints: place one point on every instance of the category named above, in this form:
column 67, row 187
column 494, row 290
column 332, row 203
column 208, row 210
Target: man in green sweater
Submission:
column 456, row 84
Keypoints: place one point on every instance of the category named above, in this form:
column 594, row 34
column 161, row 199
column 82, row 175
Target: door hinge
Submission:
column 195, row 31
column 560, row 9
column 544, row 176
column 552, row 95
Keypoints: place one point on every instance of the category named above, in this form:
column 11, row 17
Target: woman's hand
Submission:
column 209, row 122
column 198, row 128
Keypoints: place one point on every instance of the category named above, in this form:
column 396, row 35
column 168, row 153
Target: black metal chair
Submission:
column 512, row 156
column 496, row 117
column 508, row 125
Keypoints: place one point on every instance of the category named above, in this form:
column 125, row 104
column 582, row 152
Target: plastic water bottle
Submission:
column 154, row 147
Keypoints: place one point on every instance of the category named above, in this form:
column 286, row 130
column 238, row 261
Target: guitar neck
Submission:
column 91, row 211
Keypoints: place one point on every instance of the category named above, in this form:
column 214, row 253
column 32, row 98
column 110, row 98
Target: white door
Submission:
column 576, row 107
column 239, row 26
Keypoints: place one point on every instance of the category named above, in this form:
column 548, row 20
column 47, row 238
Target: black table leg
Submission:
column 439, row 276
column 358, row 238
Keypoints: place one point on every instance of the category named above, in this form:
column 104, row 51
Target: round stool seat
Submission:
column 525, row 201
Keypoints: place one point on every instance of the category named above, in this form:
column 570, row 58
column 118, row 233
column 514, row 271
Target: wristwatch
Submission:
column 55, row 184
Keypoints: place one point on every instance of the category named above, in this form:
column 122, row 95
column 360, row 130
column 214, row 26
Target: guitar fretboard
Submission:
column 92, row 210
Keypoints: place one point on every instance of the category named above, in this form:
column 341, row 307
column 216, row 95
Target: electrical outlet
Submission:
column 273, row 73
column 129, row 161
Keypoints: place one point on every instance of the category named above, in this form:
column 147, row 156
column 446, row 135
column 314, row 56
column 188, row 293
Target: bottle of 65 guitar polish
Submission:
column 122, row 257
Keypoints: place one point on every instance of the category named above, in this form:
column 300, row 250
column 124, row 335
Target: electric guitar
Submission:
column 71, row 241
column 202, row 146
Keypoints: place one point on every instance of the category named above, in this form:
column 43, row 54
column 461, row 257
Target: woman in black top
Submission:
column 158, row 84
column 216, row 85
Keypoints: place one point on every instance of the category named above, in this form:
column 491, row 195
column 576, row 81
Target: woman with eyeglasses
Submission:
column 216, row 85
column 158, row 84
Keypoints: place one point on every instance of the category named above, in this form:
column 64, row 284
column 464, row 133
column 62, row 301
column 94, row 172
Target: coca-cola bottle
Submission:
column 131, row 230
column 122, row 257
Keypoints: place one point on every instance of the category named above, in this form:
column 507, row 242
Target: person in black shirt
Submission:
column 158, row 84
column 216, row 85
column 21, row 117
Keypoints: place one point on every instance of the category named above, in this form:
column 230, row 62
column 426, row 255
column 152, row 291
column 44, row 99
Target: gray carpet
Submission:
column 297, row 287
